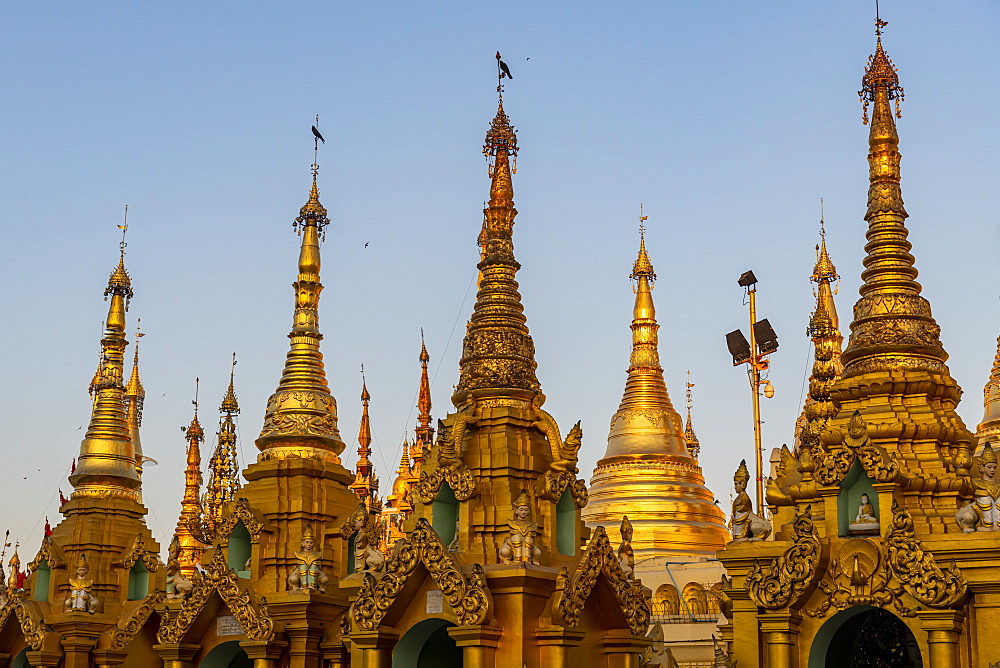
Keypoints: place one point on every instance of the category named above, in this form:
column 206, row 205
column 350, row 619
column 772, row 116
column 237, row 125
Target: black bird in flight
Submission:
column 317, row 134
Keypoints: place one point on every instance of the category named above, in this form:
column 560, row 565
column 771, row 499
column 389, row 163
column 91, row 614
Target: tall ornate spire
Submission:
column 498, row 352
column 645, row 389
column 135, row 396
column 690, row 438
column 824, row 330
column 893, row 328
column 224, row 471
column 365, row 483
column 301, row 416
column 650, row 464
column 424, row 431
column 106, row 464
column 189, row 521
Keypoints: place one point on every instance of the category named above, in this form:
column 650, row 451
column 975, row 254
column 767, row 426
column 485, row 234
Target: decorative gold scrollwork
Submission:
column 469, row 595
column 789, row 575
column 32, row 630
column 600, row 558
column 47, row 553
column 240, row 513
column 218, row 577
column 833, row 465
column 123, row 633
column 865, row 574
column 139, row 552
column 459, row 478
column 552, row 485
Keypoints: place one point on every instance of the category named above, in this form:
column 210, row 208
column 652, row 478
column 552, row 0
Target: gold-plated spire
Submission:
column 223, row 476
column 498, row 352
column 301, row 416
column 135, row 397
column 893, row 327
column 645, row 389
column 365, row 483
column 824, row 330
column 188, row 523
column 106, row 464
column 424, row 432
column 690, row 438
column 650, row 466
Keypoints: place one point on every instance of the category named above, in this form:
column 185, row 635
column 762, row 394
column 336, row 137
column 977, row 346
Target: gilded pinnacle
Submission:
column 301, row 416
column 107, row 462
column 498, row 354
column 893, row 326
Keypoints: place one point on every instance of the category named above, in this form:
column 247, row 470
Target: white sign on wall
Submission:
column 435, row 602
column 227, row 626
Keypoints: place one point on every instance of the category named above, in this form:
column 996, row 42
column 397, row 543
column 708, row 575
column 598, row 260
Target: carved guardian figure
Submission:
column 520, row 544
column 308, row 572
column 743, row 523
column 80, row 596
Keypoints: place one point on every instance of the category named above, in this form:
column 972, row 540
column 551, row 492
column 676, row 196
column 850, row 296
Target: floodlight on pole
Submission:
column 763, row 341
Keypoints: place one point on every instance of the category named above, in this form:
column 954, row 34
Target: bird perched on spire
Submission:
column 505, row 71
column 317, row 134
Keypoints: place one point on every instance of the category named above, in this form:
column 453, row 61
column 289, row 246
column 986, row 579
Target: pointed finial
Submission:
column 643, row 267
column 501, row 137
column 823, row 271
column 312, row 210
column 424, row 356
column 880, row 74
column 229, row 403
column 365, row 397
column 690, row 438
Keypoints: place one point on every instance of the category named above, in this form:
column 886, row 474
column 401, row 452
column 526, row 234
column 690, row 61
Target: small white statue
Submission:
column 308, row 573
column 80, row 596
column 983, row 514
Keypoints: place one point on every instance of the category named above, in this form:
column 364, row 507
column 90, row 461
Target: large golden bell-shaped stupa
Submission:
column 647, row 471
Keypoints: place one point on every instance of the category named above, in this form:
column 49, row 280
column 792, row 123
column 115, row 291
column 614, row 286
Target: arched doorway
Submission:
column 227, row 655
column 427, row 645
column 865, row 637
column 21, row 660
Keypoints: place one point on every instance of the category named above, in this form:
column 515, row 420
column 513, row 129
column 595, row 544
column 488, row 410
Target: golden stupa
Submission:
column 648, row 471
column 885, row 549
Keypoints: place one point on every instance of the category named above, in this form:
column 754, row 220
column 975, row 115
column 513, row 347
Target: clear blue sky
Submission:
column 728, row 120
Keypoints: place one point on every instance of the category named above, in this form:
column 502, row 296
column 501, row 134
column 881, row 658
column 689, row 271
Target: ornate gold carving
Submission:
column 139, row 552
column 865, row 574
column 600, row 558
column 451, row 439
column 553, row 483
column 48, row 553
column 468, row 596
column 834, row 464
column 788, row 576
column 564, row 452
column 366, row 554
column 33, row 633
column 460, row 479
column 255, row 619
column 240, row 513
column 123, row 633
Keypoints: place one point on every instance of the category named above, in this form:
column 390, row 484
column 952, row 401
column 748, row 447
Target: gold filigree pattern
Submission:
column 552, row 485
column 47, row 553
column 33, row 633
column 600, row 559
column 867, row 574
column 139, row 552
column 833, row 464
column 469, row 597
column 123, row 633
column 459, row 478
column 917, row 570
column 254, row 618
column 240, row 513
column 783, row 582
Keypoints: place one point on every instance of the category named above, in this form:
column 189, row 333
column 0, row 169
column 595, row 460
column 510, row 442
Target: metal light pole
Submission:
column 763, row 342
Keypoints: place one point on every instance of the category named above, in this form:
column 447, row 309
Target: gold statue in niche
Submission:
column 308, row 573
column 983, row 514
column 743, row 523
column 626, row 555
column 366, row 554
column 80, row 597
column 520, row 544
